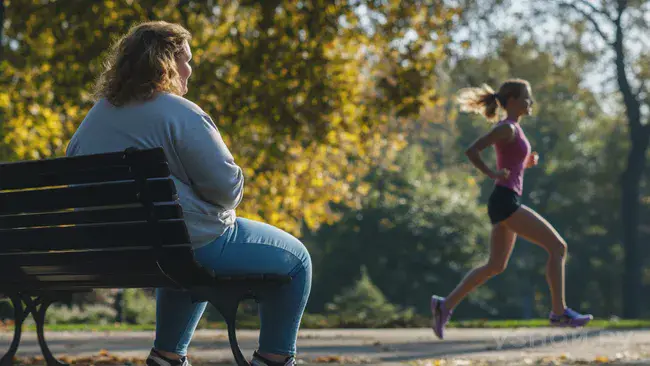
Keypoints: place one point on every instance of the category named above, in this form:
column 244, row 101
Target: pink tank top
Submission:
column 512, row 155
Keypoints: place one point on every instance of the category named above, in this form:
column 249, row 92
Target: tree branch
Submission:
column 622, row 6
column 632, row 104
column 593, row 8
column 590, row 18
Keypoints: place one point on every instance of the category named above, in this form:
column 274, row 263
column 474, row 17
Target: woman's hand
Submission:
column 501, row 174
column 533, row 160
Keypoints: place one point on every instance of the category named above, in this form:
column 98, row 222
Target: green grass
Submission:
column 96, row 327
column 86, row 327
column 537, row 323
column 479, row 323
column 30, row 326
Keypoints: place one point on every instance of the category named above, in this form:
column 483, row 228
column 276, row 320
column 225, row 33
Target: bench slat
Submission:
column 90, row 262
column 163, row 211
column 106, row 269
column 94, row 236
column 162, row 190
column 83, row 269
column 93, row 175
column 122, row 281
column 78, row 169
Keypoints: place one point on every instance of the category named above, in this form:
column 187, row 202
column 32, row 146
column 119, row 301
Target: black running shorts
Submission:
column 502, row 204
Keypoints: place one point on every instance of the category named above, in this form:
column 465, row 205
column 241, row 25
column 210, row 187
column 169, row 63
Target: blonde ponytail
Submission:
column 481, row 100
column 485, row 101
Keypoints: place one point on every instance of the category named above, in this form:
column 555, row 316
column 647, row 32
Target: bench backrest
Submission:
column 105, row 220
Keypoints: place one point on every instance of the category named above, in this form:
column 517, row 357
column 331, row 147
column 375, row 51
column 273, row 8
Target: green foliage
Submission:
column 416, row 232
column 139, row 307
column 92, row 314
column 363, row 305
column 295, row 87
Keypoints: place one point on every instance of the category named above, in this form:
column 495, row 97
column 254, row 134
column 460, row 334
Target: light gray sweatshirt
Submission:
column 209, row 183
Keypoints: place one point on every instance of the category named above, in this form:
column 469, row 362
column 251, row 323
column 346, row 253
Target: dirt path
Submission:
column 380, row 346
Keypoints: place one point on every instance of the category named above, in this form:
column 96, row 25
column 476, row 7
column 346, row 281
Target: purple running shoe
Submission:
column 440, row 314
column 570, row 318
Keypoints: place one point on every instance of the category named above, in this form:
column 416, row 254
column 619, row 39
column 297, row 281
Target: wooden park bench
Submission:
column 103, row 221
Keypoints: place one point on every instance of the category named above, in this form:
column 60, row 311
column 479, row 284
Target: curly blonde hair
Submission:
column 143, row 62
column 485, row 101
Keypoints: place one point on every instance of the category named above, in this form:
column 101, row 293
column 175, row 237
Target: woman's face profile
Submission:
column 183, row 66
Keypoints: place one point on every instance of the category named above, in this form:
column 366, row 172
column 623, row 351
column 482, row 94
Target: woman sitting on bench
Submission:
column 140, row 103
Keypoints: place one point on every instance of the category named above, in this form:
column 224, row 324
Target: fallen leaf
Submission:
column 602, row 359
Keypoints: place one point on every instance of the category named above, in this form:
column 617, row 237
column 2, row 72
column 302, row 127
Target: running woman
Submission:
column 508, row 216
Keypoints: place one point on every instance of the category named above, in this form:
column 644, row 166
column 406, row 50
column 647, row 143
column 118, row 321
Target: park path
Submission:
column 376, row 346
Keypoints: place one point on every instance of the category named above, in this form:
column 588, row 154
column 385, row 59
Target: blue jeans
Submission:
column 246, row 247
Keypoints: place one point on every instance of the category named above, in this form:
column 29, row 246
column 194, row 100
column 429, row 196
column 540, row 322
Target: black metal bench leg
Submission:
column 230, row 314
column 39, row 318
column 228, row 308
column 227, row 302
column 20, row 314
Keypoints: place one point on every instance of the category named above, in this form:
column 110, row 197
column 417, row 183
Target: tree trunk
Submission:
column 118, row 305
column 631, row 178
column 630, row 215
